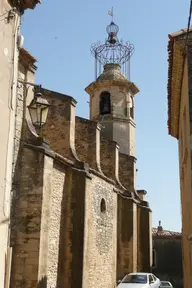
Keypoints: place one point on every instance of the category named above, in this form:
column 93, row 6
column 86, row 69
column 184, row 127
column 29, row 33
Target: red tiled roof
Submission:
column 165, row 233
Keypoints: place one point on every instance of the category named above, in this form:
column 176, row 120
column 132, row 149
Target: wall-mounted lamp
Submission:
column 39, row 107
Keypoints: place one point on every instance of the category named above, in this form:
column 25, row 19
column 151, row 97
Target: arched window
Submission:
column 131, row 107
column 105, row 103
column 103, row 206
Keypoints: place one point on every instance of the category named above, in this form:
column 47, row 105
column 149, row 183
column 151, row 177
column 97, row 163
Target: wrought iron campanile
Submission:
column 112, row 51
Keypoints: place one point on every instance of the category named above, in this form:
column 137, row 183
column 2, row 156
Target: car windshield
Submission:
column 135, row 278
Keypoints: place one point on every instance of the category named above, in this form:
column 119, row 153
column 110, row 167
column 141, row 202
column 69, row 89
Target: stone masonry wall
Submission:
column 26, row 220
column 144, row 239
column 85, row 141
column 126, row 243
column 100, row 235
column 71, row 245
column 108, row 157
column 36, row 221
column 59, row 126
column 58, row 179
column 78, row 215
column 126, row 171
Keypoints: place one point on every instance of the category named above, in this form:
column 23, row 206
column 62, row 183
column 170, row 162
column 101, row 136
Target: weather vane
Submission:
column 111, row 13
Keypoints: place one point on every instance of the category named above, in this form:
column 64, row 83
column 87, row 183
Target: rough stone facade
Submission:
column 76, row 218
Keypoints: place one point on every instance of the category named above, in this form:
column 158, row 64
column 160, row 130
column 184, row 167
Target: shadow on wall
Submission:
column 42, row 283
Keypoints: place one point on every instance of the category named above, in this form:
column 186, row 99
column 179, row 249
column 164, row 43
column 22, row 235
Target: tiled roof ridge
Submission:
column 167, row 233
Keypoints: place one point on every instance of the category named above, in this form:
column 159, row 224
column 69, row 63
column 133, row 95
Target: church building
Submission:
column 77, row 219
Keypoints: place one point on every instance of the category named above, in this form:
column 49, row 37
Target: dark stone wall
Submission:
column 72, row 231
column 26, row 219
column 168, row 259
column 143, row 239
column 126, row 171
column 125, row 237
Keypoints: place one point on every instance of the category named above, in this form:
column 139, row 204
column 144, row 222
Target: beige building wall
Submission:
column 8, row 82
column 185, row 178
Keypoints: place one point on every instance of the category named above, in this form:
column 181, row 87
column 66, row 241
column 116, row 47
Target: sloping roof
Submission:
column 180, row 32
column 165, row 233
column 112, row 75
column 26, row 59
column 112, row 72
column 175, row 62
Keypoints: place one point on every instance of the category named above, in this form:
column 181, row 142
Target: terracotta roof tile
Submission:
column 165, row 233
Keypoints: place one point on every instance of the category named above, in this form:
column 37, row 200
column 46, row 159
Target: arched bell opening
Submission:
column 105, row 103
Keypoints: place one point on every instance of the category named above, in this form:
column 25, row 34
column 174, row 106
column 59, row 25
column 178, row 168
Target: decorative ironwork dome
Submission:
column 112, row 51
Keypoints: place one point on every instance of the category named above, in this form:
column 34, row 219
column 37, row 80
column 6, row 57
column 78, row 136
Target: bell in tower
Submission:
column 112, row 93
column 105, row 103
column 112, row 31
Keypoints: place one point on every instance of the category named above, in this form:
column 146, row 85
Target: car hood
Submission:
column 132, row 285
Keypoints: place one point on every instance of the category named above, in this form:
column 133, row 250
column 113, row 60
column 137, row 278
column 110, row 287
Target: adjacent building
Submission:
column 10, row 42
column 167, row 256
column 180, row 127
column 77, row 219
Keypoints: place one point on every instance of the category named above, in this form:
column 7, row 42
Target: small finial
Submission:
column 160, row 228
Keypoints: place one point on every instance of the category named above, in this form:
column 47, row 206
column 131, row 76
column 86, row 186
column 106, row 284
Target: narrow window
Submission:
column 131, row 107
column 105, row 103
column 103, row 206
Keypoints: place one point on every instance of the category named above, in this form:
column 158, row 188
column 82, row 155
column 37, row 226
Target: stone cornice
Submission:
column 176, row 61
column 176, row 85
column 108, row 83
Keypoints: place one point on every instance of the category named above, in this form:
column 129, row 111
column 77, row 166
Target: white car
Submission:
column 166, row 284
column 140, row 280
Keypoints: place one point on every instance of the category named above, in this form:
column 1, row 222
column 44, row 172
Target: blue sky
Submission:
column 59, row 34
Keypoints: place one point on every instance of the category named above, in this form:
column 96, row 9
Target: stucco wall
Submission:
column 100, row 235
column 119, row 101
column 8, row 82
column 118, row 126
column 185, row 176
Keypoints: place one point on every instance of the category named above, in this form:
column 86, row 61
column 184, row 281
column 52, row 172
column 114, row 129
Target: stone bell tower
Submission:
column 112, row 94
